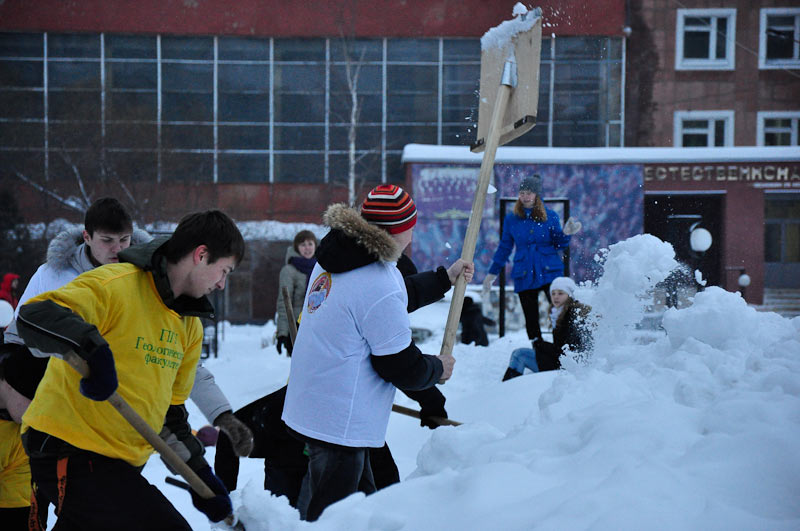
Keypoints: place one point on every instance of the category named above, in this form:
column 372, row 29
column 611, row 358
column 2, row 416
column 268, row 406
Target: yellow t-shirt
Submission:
column 156, row 351
column 15, row 473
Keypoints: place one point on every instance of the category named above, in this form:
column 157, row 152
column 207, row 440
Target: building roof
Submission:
column 640, row 155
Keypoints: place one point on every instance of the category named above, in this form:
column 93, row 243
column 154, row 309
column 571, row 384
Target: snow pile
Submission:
column 631, row 269
column 502, row 34
column 268, row 230
column 696, row 430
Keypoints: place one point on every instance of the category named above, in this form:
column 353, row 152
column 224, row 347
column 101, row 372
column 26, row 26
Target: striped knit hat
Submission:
column 389, row 207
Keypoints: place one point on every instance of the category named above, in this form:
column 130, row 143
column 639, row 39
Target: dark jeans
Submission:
column 14, row 518
column 530, row 307
column 101, row 493
column 333, row 474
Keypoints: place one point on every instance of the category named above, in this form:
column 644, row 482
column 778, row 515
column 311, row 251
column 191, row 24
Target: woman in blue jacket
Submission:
column 536, row 233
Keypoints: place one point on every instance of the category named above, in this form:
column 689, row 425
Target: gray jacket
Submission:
column 296, row 282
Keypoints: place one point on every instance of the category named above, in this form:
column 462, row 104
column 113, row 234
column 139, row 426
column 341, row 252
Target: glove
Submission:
column 488, row 281
column 237, row 431
column 284, row 340
column 425, row 415
column 571, row 226
column 102, row 380
column 218, row 507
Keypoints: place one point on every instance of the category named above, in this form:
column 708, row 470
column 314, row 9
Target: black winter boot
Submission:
column 511, row 373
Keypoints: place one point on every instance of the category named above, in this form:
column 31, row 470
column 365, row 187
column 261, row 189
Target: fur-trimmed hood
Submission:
column 68, row 249
column 352, row 242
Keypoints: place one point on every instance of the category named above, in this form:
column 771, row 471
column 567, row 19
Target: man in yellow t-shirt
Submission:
column 137, row 325
column 19, row 375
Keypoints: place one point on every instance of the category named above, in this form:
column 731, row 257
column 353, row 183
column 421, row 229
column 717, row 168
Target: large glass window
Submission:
column 234, row 109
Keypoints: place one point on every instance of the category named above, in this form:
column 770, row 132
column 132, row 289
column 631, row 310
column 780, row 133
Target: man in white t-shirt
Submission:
column 354, row 347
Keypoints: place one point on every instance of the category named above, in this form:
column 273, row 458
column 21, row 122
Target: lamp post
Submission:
column 700, row 241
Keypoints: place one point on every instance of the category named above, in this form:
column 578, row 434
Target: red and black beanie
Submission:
column 389, row 207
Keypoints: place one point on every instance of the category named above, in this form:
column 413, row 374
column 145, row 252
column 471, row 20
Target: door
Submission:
column 782, row 240
column 671, row 219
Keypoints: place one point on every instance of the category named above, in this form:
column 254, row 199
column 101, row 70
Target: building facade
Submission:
column 269, row 110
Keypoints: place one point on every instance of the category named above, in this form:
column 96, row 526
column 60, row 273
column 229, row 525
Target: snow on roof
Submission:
column 547, row 155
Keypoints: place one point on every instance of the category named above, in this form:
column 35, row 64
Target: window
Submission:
column 705, row 38
column 778, row 128
column 703, row 128
column 779, row 38
column 236, row 109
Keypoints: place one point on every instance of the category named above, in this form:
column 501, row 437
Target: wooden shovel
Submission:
column 508, row 121
column 149, row 434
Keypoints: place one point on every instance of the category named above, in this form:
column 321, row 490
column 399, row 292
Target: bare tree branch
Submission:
column 64, row 201
column 68, row 160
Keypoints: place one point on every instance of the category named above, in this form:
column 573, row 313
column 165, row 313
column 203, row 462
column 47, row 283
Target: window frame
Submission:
column 729, row 62
column 680, row 116
column 764, row 63
column 763, row 116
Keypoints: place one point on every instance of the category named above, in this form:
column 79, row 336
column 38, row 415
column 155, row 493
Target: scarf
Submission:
column 304, row 265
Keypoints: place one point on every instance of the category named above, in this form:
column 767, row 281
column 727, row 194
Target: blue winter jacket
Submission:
column 536, row 260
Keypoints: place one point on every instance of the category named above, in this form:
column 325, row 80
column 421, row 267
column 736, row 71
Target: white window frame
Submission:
column 794, row 131
column 763, row 62
column 680, row 116
column 729, row 62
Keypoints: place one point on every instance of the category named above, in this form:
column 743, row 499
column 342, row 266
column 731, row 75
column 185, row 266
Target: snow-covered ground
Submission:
column 698, row 429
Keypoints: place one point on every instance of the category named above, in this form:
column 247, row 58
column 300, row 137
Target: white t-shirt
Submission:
column 334, row 394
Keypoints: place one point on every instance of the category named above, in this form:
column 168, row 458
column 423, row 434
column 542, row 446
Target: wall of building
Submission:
column 311, row 18
column 657, row 89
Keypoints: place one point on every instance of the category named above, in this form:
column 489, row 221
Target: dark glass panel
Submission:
column 187, row 48
column 180, row 106
column 187, row 137
column 21, row 104
column 131, row 106
column 243, row 108
column 132, row 75
column 250, row 168
column 412, row 50
column 21, row 74
column 299, row 138
column 299, row 168
column 192, row 167
column 21, row 45
column 130, row 47
column 243, row 49
column 73, row 45
column 244, row 137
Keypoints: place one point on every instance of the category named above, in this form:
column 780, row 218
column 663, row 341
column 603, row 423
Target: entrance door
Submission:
column 781, row 240
column 671, row 218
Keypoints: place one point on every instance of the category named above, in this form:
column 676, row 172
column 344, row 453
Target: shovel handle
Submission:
column 287, row 303
column 149, row 434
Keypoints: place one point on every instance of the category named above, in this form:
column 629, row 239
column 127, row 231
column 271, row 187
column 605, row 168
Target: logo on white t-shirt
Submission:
column 319, row 291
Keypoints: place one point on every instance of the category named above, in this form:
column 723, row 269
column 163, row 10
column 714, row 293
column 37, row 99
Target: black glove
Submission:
column 284, row 340
column 237, row 431
column 426, row 413
column 102, row 380
column 218, row 507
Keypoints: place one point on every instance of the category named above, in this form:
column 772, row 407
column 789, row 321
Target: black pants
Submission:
column 285, row 464
column 530, row 307
column 14, row 518
column 333, row 474
column 97, row 492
